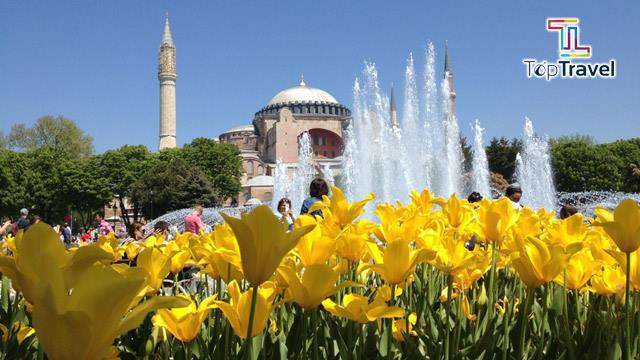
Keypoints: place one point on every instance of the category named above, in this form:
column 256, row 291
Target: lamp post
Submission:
column 151, row 205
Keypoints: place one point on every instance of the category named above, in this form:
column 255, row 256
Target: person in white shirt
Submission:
column 514, row 193
column 286, row 215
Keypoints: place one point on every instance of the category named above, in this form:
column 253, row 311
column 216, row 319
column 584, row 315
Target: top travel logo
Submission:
column 569, row 49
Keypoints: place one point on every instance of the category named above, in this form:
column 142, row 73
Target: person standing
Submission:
column 66, row 235
column 317, row 189
column 23, row 222
column 103, row 225
column 514, row 193
column 193, row 222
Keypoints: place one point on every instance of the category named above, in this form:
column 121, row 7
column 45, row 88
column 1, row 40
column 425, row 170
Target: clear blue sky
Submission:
column 96, row 61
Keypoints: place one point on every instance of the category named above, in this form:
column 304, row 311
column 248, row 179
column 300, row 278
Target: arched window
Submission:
column 325, row 143
column 260, row 170
column 250, row 168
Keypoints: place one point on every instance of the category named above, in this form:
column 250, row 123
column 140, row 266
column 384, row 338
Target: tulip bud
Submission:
column 148, row 346
column 443, row 295
column 482, row 299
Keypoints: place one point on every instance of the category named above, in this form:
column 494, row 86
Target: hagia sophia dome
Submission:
column 302, row 94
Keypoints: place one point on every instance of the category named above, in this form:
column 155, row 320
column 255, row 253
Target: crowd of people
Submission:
column 193, row 222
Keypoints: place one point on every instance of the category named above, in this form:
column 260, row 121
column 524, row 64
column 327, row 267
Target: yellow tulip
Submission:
column 624, row 228
column 154, row 240
column 183, row 240
column 341, row 212
column 97, row 304
column 110, row 244
column 316, row 284
column 496, row 219
column 351, row 244
column 450, row 254
column 610, row 280
column 313, row 248
column 185, row 322
column 357, row 308
column 21, row 330
column 132, row 249
column 400, row 326
column 396, row 224
column 397, row 261
column 179, row 260
column 384, row 292
column 157, row 266
column 219, row 253
column 458, row 212
column 263, row 241
column 239, row 307
column 9, row 243
column 571, row 230
column 424, row 201
column 580, row 268
column 537, row 262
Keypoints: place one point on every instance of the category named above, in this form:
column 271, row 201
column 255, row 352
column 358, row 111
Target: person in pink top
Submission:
column 103, row 226
column 193, row 222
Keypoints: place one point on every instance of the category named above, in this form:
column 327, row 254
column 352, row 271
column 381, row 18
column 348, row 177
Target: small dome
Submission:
column 253, row 202
column 302, row 93
column 240, row 128
column 261, row 180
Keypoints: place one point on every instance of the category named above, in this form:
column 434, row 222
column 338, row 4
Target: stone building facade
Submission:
column 275, row 134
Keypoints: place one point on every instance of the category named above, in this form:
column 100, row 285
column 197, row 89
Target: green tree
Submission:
column 82, row 189
column 628, row 152
column 58, row 133
column 586, row 139
column 120, row 168
column 171, row 186
column 13, row 192
column 41, row 183
column 580, row 166
column 221, row 164
column 501, row 156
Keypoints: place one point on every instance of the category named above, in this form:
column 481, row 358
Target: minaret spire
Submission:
column 393, row 110
column 447, row 63
column 167, row 76
column 166, row 35
column 448, row 77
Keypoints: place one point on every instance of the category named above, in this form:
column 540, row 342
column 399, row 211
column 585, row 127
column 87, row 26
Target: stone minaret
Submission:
column 448, row 76
column 393, row 109
column 167, row 76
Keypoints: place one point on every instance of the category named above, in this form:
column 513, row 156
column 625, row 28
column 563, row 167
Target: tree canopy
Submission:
column 58, row 133
column 580, row 166
column 172, row 185
column 221, row 164
column 501, row 156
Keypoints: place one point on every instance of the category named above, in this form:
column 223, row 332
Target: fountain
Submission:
column 533, row 170
column 479, row 165
column 295, row 188
column 423, row 150
column 210, row 216
column 392, row 159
